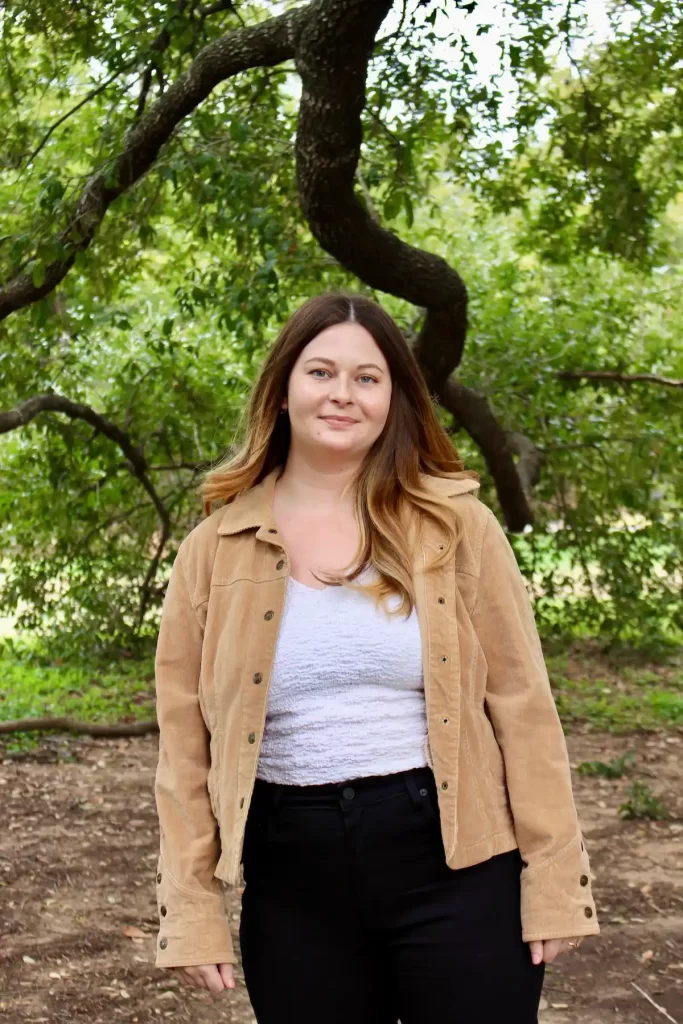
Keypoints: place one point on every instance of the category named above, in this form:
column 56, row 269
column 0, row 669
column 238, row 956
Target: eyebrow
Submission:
column 331, row 362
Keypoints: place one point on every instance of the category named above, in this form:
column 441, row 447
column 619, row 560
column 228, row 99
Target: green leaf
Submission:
column 392, row 205
column 408, row 207
column 37, row 271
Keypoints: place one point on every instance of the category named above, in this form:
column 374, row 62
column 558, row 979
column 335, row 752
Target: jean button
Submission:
column 423, row 792
column 348, row 793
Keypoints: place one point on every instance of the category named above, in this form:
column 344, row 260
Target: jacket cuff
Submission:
column 193, row 925
column 557, row 902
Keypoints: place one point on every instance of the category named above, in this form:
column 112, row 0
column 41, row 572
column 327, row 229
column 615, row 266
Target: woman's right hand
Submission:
column 214, row 977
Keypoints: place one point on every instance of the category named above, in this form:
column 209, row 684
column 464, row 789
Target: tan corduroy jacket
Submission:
column 495, row 742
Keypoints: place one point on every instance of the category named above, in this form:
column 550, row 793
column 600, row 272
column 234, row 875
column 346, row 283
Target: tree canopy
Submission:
column 175, row 178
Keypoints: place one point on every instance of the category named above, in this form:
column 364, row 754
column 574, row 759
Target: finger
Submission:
column 195, row 977
column 536, row 949
column 212, row 979
column 551, row 949
column 227, row 973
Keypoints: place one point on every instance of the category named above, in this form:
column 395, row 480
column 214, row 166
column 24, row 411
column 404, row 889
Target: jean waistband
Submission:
column 370, row 787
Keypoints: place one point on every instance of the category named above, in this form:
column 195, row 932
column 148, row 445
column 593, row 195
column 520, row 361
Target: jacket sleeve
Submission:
column 557, row 901
column 193, row 924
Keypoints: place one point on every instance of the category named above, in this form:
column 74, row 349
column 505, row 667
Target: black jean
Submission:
column 350, row 914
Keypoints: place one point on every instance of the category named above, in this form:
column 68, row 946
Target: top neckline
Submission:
column 305, row 586
column 319, row 590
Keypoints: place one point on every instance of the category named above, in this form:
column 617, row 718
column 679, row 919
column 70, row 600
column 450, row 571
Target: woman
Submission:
column 353, row 705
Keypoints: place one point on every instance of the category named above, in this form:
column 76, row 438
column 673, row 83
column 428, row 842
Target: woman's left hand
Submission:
column 547, row 949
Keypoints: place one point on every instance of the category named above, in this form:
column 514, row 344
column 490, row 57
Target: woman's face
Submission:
column 339, row 392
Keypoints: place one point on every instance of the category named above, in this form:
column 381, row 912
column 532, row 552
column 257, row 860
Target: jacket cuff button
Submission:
column 163, row 944
column 588, row 911
column 252, row 737
column 159, row 877
column 163, row 911
column 584, row 880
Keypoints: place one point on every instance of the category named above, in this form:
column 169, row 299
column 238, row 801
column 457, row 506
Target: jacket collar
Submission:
column 253, row 508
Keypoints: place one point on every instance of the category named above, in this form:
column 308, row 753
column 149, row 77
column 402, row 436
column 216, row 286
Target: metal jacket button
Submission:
column 268, row 616
column 280, row 564
column 348, row 793
column 588, row 911
column 163, row 911
column 163, row 944
column 252, row 737
column 584, row 880
column 257, row 677
column 159, row 877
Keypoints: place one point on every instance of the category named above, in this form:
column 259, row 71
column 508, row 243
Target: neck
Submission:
column 316, row 486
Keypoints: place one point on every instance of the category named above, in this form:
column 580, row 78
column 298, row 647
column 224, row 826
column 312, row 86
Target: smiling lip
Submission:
column 339, row 419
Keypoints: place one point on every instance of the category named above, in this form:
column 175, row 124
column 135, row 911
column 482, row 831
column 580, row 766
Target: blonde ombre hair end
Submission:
column 388, row 487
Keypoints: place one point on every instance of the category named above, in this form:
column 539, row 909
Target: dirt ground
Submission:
column 78, row 849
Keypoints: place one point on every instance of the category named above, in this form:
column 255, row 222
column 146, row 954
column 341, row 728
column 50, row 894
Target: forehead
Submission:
column 344, row 343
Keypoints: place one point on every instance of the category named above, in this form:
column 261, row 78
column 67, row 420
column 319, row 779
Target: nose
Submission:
column 340, row 391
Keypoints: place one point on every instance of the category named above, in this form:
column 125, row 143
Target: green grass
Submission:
column 642, row 803
column 614, row 769
column 616, row 691
column 614, row 696
column 33, row 686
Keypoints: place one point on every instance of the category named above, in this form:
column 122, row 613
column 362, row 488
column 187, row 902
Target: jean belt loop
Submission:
column 413, row 789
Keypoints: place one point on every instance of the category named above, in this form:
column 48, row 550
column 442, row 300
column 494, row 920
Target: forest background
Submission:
column 176, row 178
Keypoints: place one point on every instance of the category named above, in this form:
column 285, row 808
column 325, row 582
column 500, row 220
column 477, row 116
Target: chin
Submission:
column 341, row 444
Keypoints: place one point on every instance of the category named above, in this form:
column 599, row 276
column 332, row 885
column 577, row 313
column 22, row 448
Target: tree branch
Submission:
column 137, row 464
column 71, row 725
column 619, row 378
column 332, row 55
column 73, row 110
column 513, row 482
column 263, row 45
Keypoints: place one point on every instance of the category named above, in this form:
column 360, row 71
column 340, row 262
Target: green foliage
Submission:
column 604, row 556
column 35, row 684
column 616, row 691
column 569, row 240
column 612, row 158
column 613, row 769
column 641, row 803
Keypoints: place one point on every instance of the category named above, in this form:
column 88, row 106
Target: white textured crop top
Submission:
column 346, row 695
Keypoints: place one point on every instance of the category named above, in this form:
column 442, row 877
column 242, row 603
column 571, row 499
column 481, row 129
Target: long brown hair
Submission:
column 388, row 486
